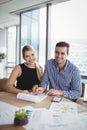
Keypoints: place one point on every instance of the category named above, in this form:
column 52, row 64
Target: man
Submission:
column 62, row 77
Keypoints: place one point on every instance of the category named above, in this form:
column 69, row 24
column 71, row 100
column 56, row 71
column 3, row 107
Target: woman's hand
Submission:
column 25, row 91
column 37, row 90
column 34, row 88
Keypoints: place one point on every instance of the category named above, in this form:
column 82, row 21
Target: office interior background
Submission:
column 42, row 23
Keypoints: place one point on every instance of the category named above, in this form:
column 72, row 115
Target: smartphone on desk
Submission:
column 56, row 99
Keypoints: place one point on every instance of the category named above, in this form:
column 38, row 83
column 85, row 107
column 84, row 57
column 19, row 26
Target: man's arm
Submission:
column 76, row 88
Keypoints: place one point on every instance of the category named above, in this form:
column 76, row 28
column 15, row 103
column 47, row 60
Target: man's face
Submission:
column 61, row 55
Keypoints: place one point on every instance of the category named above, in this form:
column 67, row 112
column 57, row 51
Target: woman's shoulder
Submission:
column 18, row 66
column 17, row 69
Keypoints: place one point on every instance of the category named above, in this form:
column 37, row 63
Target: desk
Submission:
column 81, row 102
column 11, row 99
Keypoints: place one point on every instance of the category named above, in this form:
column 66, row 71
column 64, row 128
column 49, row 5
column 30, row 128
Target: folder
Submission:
column 31, row 97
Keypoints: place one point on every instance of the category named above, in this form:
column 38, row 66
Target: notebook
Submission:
column 85, row 93
column 31, row 97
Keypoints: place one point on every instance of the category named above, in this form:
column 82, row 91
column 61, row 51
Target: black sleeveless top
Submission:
column 27, row 79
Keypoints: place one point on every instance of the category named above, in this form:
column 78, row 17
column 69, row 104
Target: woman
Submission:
column 27, row 75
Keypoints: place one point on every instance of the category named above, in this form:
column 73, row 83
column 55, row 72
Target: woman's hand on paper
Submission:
column 37, row 90
column 34, row 89
column 25, row 91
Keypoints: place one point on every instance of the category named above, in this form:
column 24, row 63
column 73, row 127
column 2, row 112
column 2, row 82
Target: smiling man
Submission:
column 61, row 77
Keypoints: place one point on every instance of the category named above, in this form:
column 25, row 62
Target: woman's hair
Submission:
column 27, row 48
column 37, row 66
column 39, row 70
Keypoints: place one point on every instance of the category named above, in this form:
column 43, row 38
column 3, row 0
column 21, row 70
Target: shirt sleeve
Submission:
column 45, row 79
column 76, row 88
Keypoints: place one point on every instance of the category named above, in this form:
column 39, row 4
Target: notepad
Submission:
column 85, row 93
column 31, row 97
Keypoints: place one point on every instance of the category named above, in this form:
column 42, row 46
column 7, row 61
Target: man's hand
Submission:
column 54, row 92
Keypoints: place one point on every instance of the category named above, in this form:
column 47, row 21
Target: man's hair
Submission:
column 63, row 44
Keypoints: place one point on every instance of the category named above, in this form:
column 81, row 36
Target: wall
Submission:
column 3, row 44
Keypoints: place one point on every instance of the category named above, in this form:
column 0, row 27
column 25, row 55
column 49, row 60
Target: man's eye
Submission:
column 32, row 54
column 62, row 53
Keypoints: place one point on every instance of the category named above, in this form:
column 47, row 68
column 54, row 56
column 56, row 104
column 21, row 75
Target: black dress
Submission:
column 27, row 79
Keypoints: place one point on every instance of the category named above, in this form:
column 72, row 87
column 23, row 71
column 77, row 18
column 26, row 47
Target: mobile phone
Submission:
column 56, row 99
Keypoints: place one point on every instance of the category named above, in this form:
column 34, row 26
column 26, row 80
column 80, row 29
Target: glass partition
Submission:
column 33, row 31
column 69, row 23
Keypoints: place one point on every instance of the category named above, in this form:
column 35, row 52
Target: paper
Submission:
column 85, row 93
column 43, row 119
column 31, row 97
column 37, row 117
column 7, row 113
column 64, row 108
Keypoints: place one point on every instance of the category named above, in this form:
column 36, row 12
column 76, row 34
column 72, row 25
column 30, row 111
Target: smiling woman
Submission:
column 27, row 74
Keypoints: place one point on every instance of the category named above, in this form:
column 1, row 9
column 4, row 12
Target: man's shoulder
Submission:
column 50, row 62
column 72, row 65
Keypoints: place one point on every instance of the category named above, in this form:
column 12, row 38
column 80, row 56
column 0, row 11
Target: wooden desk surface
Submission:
column 11, row 99
column 82, row 102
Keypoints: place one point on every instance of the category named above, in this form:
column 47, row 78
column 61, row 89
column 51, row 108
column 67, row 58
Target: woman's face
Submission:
column 29, row 57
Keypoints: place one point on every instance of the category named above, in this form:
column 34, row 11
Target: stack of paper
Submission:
column 31, row 97
column 7, row 113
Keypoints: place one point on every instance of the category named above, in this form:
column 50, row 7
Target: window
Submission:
column 11, row 49
column 68, row 23
column 33, row 31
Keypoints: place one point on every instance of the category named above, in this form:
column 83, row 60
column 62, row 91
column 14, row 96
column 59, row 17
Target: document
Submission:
column 43, row 119
column 38, row 117
column 31, row 97
column 64, row 108
column 85, row 93
column 7, row 113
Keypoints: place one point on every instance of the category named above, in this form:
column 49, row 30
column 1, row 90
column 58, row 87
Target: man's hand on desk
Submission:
column 53, row 92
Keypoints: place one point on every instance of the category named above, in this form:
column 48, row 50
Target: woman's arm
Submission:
column 10, row 84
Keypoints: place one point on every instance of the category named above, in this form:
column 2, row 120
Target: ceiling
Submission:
column 10, row 9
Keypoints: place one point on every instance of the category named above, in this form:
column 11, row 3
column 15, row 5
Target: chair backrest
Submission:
column 2, row 83
column 83, row 89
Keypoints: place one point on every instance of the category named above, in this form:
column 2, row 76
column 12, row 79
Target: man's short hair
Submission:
column 63, row 44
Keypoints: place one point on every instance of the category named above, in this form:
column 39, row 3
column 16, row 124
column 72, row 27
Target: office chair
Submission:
column 2, row 83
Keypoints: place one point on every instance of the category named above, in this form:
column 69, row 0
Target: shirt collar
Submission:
column 66, row 65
